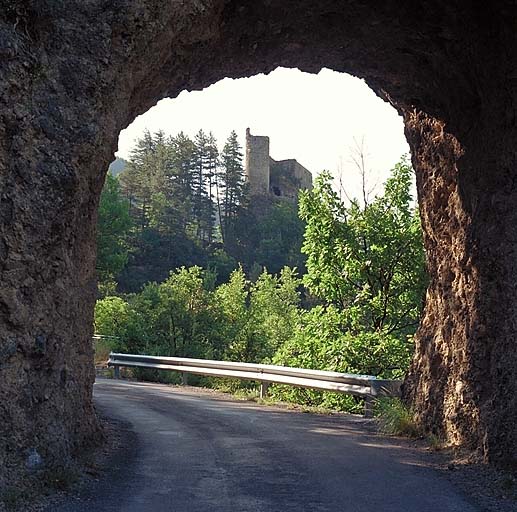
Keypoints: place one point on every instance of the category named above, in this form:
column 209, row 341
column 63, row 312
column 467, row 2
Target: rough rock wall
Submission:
column 74, row 73
column 67, row 86
column 463, row 377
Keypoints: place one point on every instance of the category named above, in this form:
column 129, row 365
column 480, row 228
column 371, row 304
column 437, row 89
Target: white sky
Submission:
column 315, row 119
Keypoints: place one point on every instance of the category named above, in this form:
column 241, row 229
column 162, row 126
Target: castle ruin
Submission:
column 265, row 176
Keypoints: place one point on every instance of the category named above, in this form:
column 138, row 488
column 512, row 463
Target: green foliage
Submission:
column 113, row 227
column 367, row 261
column 172, row 319
column 323, row 342
column 111, row 316
column 231, row 185
column 185, row 316
column 188, row 206
column 103, row 348
column 269, row 234
column 259, row 317
column 221, row 264
column 366, row 266
column 274, row 302
column 396, row 418
column 203, row 185
column 365, row 272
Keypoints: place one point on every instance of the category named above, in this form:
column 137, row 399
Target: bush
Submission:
column 111, row 316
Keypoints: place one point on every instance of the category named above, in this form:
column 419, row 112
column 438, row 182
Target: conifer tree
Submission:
column 201, row 199
column 231, row 181
column 181, row 189
column 135, row 181
column 212, row 162
column 113, row 225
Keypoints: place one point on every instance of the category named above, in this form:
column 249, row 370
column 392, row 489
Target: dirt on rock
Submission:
column 46, row 488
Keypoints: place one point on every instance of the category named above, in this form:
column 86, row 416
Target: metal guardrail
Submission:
column 98, row 337
column 366, row 386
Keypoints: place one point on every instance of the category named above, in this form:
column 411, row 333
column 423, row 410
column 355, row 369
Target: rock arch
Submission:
column 75, row 73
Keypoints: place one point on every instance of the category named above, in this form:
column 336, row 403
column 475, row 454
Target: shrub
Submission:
column 396, row 418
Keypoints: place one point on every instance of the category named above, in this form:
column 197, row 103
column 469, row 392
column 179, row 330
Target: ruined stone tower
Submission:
column 266, row 176
column 257, row 163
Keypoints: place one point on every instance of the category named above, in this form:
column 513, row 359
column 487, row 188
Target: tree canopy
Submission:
column 355, row 308
column 188, row 205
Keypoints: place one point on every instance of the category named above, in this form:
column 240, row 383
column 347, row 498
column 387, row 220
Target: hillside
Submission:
column 117, row 166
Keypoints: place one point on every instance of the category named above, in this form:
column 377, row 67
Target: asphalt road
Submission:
column 191, row 452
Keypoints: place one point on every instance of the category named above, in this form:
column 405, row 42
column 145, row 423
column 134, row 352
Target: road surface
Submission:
column 191, row 452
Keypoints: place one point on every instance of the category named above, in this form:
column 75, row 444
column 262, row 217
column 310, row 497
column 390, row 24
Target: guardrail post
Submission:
column 117, row 372
column 184, row 379
column 376, row 389
column 369, row 404
column 263, row 389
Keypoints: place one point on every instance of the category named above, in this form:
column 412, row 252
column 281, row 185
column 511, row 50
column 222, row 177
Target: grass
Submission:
column 396, row 418
column 103, row 348
column 435, row 443
column 251, row 395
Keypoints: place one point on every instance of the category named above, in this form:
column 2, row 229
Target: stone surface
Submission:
column 266, row 176
column 33, row 460
column 257, row 164
column 74, row 73
column 288, row 177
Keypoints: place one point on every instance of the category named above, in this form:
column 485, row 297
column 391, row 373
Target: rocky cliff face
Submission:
column 74, row 73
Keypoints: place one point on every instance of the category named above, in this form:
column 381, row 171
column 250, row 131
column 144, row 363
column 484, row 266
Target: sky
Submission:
column 317, row 119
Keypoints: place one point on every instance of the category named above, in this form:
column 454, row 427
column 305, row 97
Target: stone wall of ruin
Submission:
column 257, row 163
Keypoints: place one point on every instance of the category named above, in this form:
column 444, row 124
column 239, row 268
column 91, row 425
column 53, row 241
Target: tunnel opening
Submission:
column 180, row 143
column 166, row 158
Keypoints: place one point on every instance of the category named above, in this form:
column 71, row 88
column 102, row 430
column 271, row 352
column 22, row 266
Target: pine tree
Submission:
column 231, row 182
column 203, row 205
column 212, row 163
column 113, row 225
column 181, row 191
column 135, row 181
